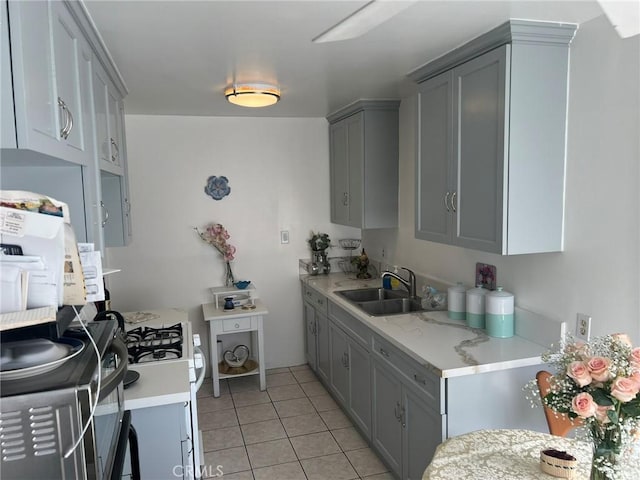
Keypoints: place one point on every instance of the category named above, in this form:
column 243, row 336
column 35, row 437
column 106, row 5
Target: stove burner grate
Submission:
column 147, row 344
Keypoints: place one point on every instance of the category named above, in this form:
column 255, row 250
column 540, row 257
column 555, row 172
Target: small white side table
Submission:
column 222, row 322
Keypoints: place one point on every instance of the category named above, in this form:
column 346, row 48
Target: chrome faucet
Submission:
column 409, row 285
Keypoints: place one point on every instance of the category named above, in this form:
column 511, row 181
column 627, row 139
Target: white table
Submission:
column 509, row 455
column 223, row 322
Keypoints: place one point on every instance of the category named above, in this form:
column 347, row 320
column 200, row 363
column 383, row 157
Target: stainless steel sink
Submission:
column 371, row 294
column 391, row 307
column 379, row 302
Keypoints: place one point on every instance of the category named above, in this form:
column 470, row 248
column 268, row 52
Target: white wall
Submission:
column 599, row 271
column 279, row 176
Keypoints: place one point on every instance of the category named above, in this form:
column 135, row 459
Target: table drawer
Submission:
column 236, row 324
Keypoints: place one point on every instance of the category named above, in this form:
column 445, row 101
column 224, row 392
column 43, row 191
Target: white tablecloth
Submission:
column 509, row 455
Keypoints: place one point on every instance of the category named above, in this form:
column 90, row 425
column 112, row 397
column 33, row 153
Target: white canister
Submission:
column 499, row 314
column 457, row 301
column 475, row 306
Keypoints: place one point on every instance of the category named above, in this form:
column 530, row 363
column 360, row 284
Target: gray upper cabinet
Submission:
column 491, row 139
column 50, row 63
column 63, row 116
column 364, row 164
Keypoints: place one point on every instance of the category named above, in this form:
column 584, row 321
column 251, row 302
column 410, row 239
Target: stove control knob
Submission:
column 196, row 339
column 198, row 361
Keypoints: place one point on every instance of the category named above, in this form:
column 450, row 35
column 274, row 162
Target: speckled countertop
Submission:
column 447, row 347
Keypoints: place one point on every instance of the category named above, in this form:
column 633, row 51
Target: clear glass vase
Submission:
column 607, row 441
column 228, row 275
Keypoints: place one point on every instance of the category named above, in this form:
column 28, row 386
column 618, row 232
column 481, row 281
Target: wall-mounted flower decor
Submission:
column 217, row 187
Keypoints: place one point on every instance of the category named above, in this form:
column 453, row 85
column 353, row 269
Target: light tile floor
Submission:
column 292, row 431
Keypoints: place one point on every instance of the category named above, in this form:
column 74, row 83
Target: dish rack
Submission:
column 349, row 244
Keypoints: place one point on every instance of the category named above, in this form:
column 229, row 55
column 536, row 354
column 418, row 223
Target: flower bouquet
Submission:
column 599, row 382
column 216, row 235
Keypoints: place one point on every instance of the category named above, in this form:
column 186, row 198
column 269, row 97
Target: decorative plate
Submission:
column 217, row 187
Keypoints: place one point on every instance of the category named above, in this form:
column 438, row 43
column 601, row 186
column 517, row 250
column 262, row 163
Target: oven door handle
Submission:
column 203, row 372
column 114, row 379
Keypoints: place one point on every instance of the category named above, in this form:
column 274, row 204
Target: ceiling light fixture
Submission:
column 252, row 94
column 362, row 20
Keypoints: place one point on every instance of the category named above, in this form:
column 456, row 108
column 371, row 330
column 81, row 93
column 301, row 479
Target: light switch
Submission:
column 284, row 236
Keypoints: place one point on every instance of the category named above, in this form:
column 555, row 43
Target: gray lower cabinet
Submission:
column 350, row 377
column 316, row 340
column 387, row 427
column 491, row 134
column 409, row 421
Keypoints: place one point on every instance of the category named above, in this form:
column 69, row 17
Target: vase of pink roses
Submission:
column 599, row 382
column 216, row 235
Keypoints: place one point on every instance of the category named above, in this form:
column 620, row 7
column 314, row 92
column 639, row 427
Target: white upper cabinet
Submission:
column 491, row 147
column 51, row 65
column 363, row 140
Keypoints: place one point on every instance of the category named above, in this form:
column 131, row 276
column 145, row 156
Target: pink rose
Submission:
column 622, row 338
column 634, row 358
column 636, row 378
column 624, row 389
column 601, row 414
column 599, row 368
column 583, row 405
column 580, row 373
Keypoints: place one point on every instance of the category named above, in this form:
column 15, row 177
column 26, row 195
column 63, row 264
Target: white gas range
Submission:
column 166, row 355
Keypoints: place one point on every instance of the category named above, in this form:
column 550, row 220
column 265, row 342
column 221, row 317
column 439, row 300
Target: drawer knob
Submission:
column 237, row 325
column 384, row 353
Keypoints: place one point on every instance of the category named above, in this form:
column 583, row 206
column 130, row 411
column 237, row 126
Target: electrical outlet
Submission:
column 583, row 327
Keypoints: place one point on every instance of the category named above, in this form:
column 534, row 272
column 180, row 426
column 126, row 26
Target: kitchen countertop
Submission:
column 447, row 347
column 163, row 382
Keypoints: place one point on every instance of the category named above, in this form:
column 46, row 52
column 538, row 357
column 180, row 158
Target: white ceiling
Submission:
column 177, row 56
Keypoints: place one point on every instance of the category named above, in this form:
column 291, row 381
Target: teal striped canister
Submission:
column 475, row 307
column 457, row 302
column 500, row 317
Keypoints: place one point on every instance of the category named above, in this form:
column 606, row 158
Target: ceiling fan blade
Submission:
column 364, row 19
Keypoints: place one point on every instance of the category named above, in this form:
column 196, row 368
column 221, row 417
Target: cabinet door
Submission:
column 7, row 120
column 310, row 335
column 387, row 429
column 322, row 344
column 72, row 67
column 101, row 115
column 479, row 151
column 355, row 156
column 339, row 379
column 423, row 432
column 360, row 387
column 339, row 173
column 434, row 192
column 36, row 110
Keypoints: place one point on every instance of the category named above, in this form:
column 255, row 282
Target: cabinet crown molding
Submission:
column 513, row 31
column 360, row 105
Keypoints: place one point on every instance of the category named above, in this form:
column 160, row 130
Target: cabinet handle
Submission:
column 70, row 123
column 65, row 115
column 128, row 204
column 396, row 411
column 114, row 145
column 345, row 199
column 384, row 353
column 105, row 219
column 454, row 203
column 446, row 201
column 237, row 325
column 418, row 379
column 320, row 302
